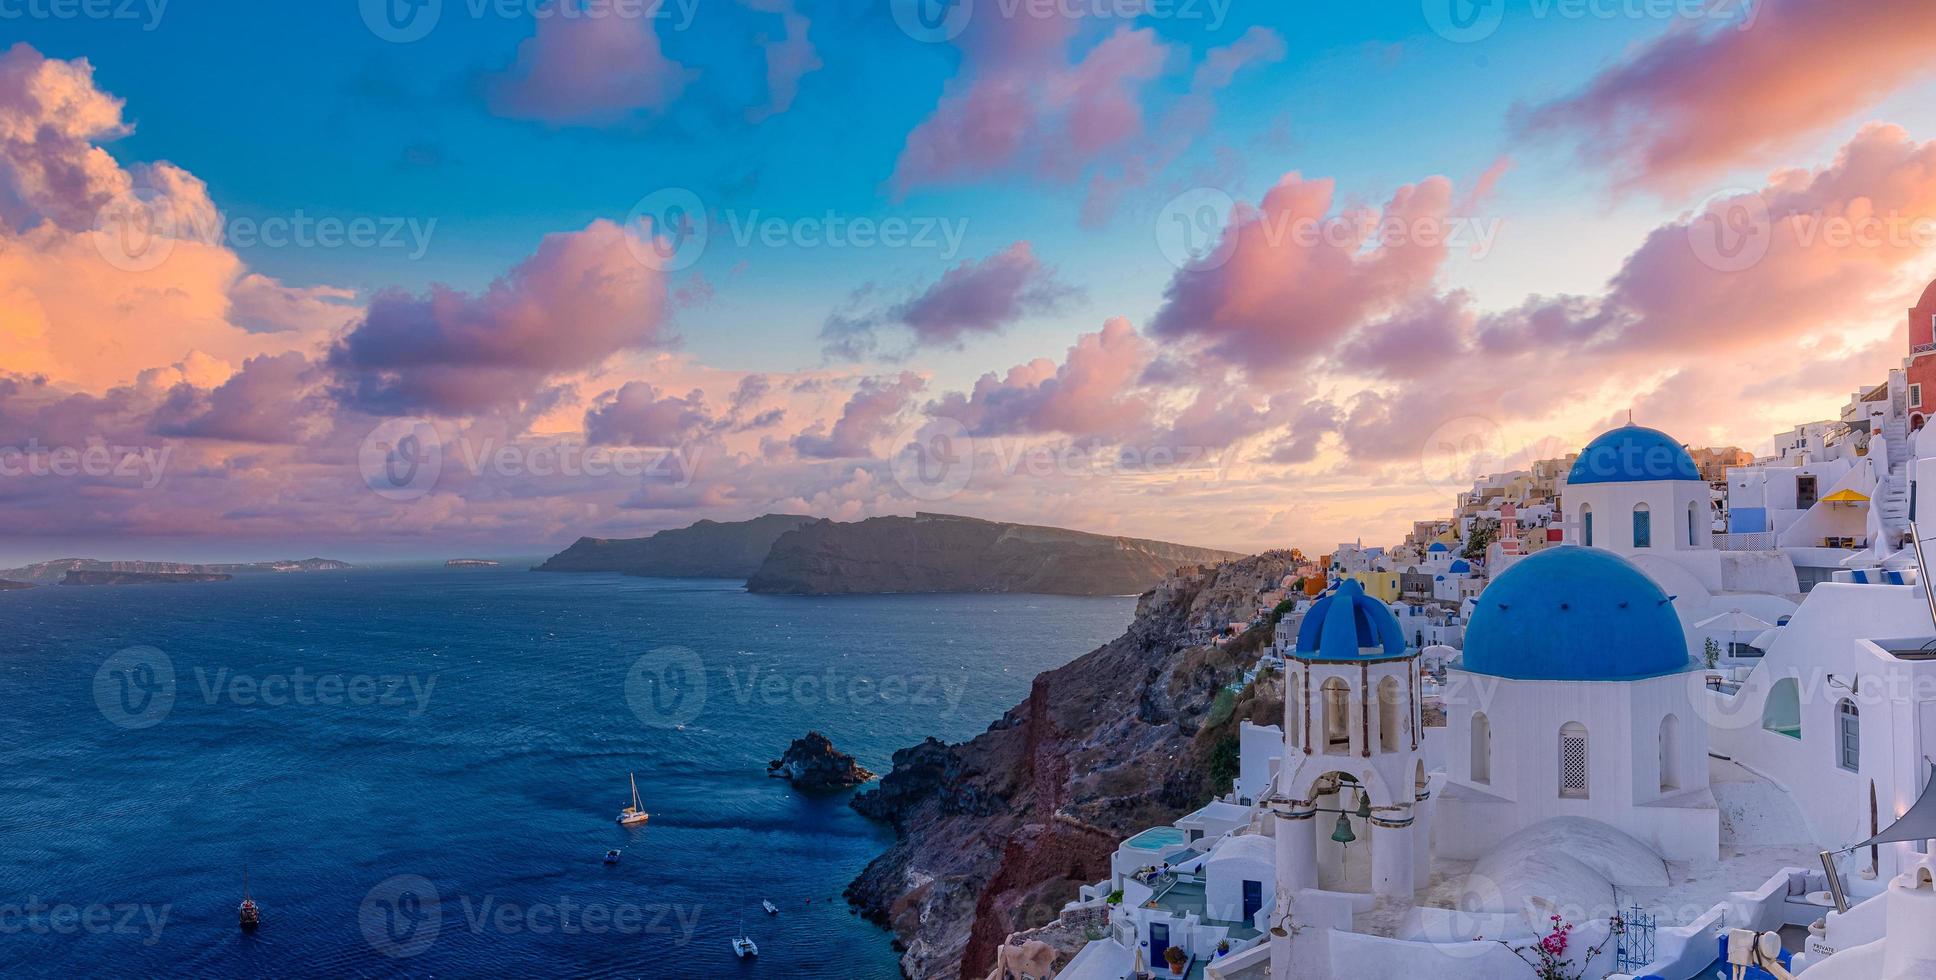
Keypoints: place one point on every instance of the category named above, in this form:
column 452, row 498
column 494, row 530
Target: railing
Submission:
column 1749, row 541
column 1635, row 947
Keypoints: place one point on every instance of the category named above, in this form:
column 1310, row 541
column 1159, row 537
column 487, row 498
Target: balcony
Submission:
column 1748, row 541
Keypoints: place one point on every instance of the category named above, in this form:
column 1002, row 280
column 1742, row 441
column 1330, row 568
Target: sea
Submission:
column 415, row 770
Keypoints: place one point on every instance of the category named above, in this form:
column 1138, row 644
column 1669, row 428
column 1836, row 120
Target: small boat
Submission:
column 635, row 814
column 744, row 946
column 611, row 856
column 247, row 912
column 771, row 909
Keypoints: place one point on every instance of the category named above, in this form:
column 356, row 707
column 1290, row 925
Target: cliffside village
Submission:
column 1644, row 711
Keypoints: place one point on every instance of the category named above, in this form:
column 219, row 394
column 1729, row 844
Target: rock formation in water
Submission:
column 100, row 577
column 994, row 835
column 812, row 763
column 7, row 586
column 941, row 553
column 708, row 549
column 472, row 563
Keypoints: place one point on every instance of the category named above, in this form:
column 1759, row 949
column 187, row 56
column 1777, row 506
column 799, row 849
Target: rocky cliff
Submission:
column 99, row 577
column 941, row 553
column 708, row 549
column 995, row 834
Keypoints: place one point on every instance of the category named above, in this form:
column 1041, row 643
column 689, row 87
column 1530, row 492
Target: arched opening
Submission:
column 1586, row 525
column 1643, row 526
column 1481, row 748
column 1420, row 781
column 1344, row 839
column 1782, row 712
column 1848, row 727
column 1670, row 754
column 1573, row 761
column 1694, row 524
column 1337, row 717
column 1388, row 715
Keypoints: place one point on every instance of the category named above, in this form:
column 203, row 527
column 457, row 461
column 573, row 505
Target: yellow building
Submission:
column 1382, row 586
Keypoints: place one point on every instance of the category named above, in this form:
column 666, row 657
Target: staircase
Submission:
column 1895, row 483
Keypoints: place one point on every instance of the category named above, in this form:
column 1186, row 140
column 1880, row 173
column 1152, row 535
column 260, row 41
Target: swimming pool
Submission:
column 1157, row 839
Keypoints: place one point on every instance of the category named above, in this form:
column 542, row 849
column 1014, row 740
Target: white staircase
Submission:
column 1895, row 483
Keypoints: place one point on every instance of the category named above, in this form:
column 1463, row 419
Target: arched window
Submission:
column 1573, row 773
column 1643, row 526
column 1388, row 726
column 1586, row 525
column 1694, row 524
column 1848, row 726
column 1481, row 748
column 1782, row 712
column 1337, row 717
column 1670, row 754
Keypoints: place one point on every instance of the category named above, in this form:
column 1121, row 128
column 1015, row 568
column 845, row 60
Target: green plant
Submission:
column 1223, row 947
column 1226, row 758
column 1711, row 652
column 1176, row 958
column 1115, row 897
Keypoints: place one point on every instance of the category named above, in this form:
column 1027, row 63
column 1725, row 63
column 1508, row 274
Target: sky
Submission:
column 419, row 278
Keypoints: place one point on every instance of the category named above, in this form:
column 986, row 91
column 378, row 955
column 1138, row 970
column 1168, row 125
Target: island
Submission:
column 707, row 549
column 48, row 572
column 101, row 577
column 946, row 553
column 8, row 586
column 812, row 763
column 472, row 563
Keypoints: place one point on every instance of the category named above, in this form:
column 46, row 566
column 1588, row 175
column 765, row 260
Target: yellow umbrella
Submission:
column 1846, row 497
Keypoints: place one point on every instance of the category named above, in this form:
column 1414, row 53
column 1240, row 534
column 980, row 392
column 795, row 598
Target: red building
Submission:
column 1920, row 372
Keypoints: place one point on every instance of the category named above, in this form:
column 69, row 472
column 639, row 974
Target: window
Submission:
column 1782, row 712
column 1293, row 717
column 1337, row 717
column 1388, row 715
column 1643, row 527
column 1848, row 724
column 1481, row 748
column 1573, row 774
column 1586, row 526
column 1805, row 492
column 1694, row 525
column 1670, row 749
column 1916, row 394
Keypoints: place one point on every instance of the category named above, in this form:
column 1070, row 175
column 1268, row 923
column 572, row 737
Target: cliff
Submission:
column 7, row 586
column 94, row 577
column 995, row 834
column 812, row 763
column 708, row 549
column 940, row 553
column 56, row 570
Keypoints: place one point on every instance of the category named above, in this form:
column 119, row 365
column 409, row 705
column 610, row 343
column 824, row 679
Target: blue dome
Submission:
column 1459, row 566
column 1575, row 614
column 1438, row 546
column 1633, row 454
column 1346, row 624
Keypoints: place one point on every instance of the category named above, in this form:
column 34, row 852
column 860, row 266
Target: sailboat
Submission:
column 247, row 911
column 744, row 945
column 635, row 814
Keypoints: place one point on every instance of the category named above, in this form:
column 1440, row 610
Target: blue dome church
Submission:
column 1574, row 697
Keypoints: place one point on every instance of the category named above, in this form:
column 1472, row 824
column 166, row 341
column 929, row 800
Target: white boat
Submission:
column 771, row 909
column 635, row 814
column 744, row 946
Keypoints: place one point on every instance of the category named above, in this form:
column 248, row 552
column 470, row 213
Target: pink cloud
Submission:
column 1298, row 278
column 582, row 297
column 1094, row 392
column 585, row 70
column 1699, row 101
column 982, row 297
column 637, row 414
column 876, row 403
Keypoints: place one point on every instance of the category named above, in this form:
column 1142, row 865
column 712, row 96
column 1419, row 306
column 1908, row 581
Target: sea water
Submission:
column 419, row 768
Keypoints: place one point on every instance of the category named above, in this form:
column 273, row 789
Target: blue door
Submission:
column 1253, row 899
column 1159, row 941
